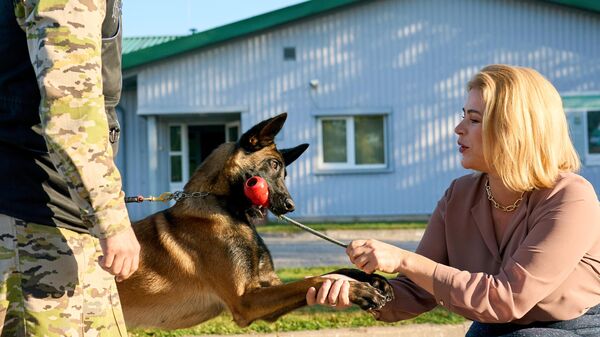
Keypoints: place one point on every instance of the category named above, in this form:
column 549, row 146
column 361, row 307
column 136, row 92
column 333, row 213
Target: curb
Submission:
column 413, row 330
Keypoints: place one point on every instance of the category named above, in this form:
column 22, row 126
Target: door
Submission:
column 202, row 140
column 190, row 144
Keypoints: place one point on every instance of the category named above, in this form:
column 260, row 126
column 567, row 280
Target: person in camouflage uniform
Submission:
column 64, row 228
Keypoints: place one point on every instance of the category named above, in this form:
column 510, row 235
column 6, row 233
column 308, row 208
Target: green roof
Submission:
column 588, row 5
column 139, row 56
column 142, row 50
column 133, row 44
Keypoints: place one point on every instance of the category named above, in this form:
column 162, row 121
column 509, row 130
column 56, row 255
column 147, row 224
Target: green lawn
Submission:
column 309, row 318
column 281, row 226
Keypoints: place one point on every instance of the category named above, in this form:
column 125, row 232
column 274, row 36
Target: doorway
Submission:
column 202, row 140
column 190, row 144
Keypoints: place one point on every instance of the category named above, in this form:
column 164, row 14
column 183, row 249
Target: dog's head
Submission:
column 226, row 170
column 268, row 162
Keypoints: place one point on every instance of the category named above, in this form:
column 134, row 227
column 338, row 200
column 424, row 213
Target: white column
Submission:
column 152, row 132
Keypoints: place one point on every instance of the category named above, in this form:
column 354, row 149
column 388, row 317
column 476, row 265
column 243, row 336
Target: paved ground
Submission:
column 307, row 250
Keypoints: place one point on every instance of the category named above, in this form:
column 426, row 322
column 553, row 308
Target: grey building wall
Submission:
column 409, row 58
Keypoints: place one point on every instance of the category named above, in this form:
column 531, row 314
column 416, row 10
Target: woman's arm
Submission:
column 372, row 255
column 410, row 299
column 564, row 228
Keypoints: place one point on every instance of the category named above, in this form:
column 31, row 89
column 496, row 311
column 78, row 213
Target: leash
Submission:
column 312, row 231
column 168, row 196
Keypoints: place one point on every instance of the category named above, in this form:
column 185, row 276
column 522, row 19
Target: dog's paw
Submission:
column 377, row 281
column 366, row 296
column 381, row 283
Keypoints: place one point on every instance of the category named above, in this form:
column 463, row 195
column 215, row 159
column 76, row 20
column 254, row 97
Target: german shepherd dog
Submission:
column 203, row 254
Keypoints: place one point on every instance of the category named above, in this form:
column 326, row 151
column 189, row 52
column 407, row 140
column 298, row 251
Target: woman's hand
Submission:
column 372, row 255
column 334, row 292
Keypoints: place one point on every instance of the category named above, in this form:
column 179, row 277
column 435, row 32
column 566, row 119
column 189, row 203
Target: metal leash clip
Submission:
column 164, row 197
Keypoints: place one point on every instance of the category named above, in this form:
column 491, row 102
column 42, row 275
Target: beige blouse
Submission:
column 546, row 268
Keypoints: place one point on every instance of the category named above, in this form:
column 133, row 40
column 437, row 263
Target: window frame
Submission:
column 350, row 166
column 581, row 103
column 182, row 154
column 591, row 159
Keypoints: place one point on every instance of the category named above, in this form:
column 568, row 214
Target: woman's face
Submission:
column 470, row 140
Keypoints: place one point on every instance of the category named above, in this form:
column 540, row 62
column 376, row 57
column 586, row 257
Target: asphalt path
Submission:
column 307, row 250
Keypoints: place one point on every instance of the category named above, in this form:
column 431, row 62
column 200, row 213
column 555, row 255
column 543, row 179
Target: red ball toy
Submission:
column 256, row 190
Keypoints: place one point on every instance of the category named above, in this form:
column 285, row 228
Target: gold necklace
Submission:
column 508, row 208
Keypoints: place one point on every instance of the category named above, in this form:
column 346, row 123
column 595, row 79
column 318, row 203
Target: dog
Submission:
column 203, row 255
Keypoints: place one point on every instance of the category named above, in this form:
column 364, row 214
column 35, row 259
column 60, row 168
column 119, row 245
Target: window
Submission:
column 232, row 132
column 352, row 142
column 585, row 132
column 583, row 115
column 289, row 53
column 593, row 132
column 175, row 154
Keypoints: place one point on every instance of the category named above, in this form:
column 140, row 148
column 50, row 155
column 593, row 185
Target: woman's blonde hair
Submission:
column 525, row 132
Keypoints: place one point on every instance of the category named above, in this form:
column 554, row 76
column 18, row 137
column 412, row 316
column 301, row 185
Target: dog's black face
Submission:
column 266, row 161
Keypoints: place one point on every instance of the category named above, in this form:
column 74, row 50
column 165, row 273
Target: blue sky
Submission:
column 177, row 17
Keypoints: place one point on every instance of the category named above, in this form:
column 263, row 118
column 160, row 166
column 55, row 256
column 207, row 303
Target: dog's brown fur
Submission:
column 204, row 255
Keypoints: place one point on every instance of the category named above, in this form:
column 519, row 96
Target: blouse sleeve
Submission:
column 410, row 300
column 564, row 227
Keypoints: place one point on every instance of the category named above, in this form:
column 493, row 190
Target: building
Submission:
column 375, row 87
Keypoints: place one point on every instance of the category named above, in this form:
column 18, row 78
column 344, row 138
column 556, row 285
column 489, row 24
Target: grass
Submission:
column 283, row 227
column 308, row 318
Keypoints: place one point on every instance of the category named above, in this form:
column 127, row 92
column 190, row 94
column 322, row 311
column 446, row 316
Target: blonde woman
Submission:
column 514, row 247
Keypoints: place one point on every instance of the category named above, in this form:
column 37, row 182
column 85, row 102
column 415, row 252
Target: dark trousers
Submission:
column 587, row 325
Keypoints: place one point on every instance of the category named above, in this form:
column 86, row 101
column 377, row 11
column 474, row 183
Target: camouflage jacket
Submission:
column 68, row 40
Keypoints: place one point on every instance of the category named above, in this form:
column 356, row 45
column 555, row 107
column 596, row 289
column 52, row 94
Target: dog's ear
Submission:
column 290, row 155
column 262, row 134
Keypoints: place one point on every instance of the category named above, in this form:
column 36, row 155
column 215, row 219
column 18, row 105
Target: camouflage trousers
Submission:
column 52, row 284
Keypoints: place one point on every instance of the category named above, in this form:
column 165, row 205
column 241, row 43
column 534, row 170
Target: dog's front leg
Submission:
column 377, row 281
column 271, row 302
column 266, row 270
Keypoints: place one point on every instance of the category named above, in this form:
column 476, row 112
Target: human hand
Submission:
column 372, row 255
column 121, row 254
column 333, row 292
